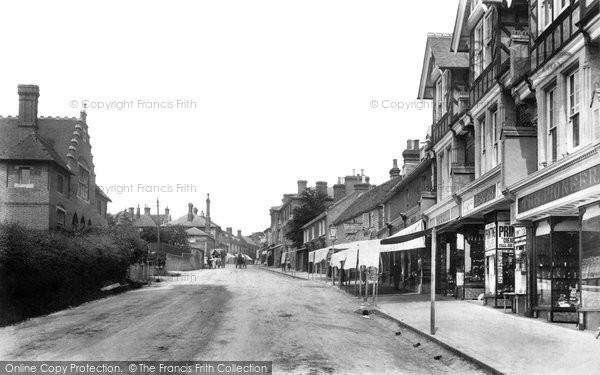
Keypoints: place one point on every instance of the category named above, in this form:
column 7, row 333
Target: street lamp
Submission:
column 333, row 238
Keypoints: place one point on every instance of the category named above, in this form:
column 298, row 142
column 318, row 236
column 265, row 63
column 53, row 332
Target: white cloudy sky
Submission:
column 282, row 91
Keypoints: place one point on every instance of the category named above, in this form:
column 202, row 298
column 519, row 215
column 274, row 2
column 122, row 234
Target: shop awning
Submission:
column 409, row 238
column 367, row 251
column 318, row 255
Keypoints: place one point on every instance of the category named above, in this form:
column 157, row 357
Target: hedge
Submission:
column 43, row 271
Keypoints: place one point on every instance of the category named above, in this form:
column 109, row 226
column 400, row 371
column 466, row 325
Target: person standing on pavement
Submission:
column 396, row 274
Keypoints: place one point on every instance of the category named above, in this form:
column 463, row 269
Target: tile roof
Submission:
column 367, row 200
column 444, row 58
column 195, row 232
column 144, row 221
column 33, row 147
column 197, row 221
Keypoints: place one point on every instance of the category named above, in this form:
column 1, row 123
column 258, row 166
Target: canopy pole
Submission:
column 433, row 267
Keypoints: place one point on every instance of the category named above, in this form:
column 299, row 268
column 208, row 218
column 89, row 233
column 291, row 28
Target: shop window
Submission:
column 590, row 258
column 557, row 264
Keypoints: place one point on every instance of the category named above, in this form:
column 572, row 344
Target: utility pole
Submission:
column 433, row 266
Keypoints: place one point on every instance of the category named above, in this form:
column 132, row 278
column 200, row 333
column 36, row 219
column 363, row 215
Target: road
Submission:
column 303, row 326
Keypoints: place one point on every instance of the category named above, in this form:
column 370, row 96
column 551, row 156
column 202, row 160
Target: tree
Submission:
column 312, row 205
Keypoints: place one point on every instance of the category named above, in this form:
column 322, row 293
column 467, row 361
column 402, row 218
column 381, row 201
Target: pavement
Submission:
column 304, row 327
column 501, row 342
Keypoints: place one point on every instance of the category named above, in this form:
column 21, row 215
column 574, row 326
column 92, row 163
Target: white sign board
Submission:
column 490, row 236
column 506, row 235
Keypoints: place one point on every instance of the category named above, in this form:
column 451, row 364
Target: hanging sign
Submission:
column 460, row 279
column 506, row 235
column 490, row 236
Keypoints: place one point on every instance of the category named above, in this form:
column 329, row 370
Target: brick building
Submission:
column 47, row 169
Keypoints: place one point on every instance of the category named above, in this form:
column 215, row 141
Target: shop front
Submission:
column 561, row 204
column 499, row 257
column 470, row 275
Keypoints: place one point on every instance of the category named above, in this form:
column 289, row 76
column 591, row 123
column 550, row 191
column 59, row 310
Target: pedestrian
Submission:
column 396, row 274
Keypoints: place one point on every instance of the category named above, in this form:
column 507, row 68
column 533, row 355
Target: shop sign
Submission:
column 490, row 236
column 460, row 279
column 506, row 235
column 485, row 196
column 570, row 185
column 520, row 232
column 468, row 205
column 499, row 276
column 442, row 218
column 352, row 228
column 460, row 241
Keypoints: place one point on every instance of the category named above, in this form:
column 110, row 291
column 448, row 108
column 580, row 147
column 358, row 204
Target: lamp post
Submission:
column 333, row 238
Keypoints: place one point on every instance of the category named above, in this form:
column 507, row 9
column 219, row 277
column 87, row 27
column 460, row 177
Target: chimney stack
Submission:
column 412, row 156
column 137, row 212
column 395, row 171
column 230, row 230
column 239, row 233
column 28, row 105
column 339, row 190
column 321, row 187
column 361, row 188
column 195, row 211
column 131, row 213
column 167, row 213
column 302, row 184
column 147, row 211
column 190, row 212
column 207, row 224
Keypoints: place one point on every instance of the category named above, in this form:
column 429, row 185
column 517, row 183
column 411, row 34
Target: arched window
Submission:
column 75, row 220
column 82, row 222
column 89, row 223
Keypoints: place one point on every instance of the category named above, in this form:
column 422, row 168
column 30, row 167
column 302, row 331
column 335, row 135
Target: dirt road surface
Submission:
column 303, row 326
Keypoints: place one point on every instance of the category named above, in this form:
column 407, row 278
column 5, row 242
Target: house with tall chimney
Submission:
column 47, row 169
column 147, row 219
column 364, row 218
column 201, row 230
column 316, row 233
column 281, row 217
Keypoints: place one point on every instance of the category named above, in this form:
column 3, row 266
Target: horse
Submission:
column 240, row 261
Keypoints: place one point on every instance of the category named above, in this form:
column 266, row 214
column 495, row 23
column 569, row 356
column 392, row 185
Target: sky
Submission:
column 235, row 98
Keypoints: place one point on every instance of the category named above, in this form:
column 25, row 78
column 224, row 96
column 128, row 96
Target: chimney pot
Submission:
column 190, row 216
column 137, row 213
column 147, row 211
column 409, row 144
column 416, row 144
column 395, row 171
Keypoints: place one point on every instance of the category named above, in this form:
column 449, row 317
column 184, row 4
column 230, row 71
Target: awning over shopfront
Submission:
column 368, row 254
column 406, row 241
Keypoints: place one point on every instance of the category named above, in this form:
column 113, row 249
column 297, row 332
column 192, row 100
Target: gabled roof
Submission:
column 195, row 232
column 33, row 148
column 416, row 173
column 439, row 56
column 367, row 200
column 197, row 221
column 250, row 241
column 100, row 192
column 329, row 209
column 144, row 221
